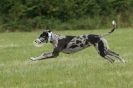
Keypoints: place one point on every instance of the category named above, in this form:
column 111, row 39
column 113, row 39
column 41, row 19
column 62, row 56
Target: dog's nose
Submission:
column 35, row 41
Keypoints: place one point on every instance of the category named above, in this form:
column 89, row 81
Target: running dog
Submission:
column 71, row 44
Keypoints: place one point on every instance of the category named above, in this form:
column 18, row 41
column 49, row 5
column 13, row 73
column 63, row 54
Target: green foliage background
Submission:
column 28, row 15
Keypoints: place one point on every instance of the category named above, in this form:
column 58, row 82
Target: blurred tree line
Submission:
column 28, row 15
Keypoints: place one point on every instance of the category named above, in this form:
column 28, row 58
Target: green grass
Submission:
column 84, row 69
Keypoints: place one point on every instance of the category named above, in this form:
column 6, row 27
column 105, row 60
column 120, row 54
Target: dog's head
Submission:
column 44, row 37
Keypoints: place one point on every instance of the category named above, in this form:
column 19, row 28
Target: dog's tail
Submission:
column 113, row 28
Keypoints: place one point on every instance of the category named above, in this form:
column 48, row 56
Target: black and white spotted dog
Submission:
column 71, row 44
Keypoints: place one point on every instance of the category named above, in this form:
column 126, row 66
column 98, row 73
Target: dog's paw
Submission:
column 33, row 58
column 124, row 61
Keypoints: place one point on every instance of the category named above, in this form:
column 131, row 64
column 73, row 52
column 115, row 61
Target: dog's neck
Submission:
column 54, row 39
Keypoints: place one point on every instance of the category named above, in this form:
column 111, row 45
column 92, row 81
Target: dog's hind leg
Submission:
column 112, row 52
column 109, row 58
column 115, row 55
column 102, row 51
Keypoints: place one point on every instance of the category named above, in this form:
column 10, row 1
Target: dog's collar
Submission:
column 49, row 36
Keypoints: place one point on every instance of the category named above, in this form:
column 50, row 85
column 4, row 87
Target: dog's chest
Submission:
column 76, row 44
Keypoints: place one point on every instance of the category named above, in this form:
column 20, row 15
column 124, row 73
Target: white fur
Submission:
column 49, row 36
column 113, row 22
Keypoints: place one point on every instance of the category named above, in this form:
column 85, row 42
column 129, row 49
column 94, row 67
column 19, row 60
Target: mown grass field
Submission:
column 84, row 69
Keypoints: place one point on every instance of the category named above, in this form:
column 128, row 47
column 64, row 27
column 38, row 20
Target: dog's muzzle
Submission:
column 38, row 42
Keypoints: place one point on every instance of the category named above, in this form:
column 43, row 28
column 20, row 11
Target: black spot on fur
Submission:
column 93, row 39
column 86, row 42
column 65, row 46
column 101, row 49
column 84, row 36
column 73, row 43
column 77, row 41
column 73, row 46
column 81, row 45
column 62, row 43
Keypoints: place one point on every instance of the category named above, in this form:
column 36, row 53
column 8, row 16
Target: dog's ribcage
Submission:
column 76, row 44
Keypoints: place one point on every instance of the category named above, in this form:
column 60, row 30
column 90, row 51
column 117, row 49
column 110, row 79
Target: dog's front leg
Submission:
column 53, row 54
column 42, row 56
